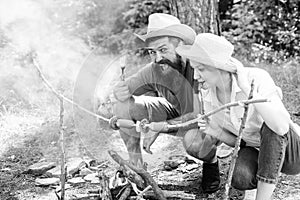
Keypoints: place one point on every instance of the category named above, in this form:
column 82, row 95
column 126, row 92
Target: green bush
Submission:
column 265, row 30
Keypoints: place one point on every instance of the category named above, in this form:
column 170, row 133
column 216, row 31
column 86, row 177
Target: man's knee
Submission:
column 130, row 109
column 121, row 109
column 244, row 174
column 199, row 145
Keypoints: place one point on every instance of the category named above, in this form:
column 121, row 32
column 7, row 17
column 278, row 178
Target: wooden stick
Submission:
column 46, row 82
column 169, row 194
column 62, row 145
column 104, row 191
column 61, row 131
column 125, row 193
column 144, row 174
column 237, row 144
column 243, row 102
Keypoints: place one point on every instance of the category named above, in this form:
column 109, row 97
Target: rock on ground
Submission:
column 40, row 168
column 46, row 181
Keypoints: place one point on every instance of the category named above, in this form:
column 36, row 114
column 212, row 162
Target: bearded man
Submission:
column 170, row 77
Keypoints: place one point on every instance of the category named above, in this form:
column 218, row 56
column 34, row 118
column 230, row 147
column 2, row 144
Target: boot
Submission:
column 210, row 177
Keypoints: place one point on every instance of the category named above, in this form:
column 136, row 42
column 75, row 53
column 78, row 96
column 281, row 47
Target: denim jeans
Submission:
column 276, row 154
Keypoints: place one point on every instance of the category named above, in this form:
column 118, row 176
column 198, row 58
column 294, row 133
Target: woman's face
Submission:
column 208, row 76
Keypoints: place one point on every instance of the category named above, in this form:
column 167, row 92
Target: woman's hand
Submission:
column 202, row 123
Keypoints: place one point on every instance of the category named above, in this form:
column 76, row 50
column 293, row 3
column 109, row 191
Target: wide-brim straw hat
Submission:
column 211, row 50
column 161, row 24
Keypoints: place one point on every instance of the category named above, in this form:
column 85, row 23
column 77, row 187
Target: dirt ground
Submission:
column 35, row 137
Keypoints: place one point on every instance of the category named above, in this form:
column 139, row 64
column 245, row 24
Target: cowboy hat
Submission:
column 161, row 24
column 211, row 50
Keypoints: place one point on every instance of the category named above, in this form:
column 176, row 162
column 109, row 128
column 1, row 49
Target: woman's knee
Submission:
column 199, row 145
column 188, row 140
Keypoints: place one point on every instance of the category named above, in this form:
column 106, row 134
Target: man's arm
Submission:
column 141, row 82
column 137, row 84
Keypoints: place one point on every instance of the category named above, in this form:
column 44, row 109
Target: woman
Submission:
column 270, row 143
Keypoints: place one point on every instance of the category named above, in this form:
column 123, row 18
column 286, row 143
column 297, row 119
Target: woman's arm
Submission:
column 221, row 134
column 274, row 112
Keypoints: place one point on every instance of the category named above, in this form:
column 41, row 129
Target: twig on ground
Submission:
column 237, row 145
column 140, row 195
column 125, row 193
column 144, row 174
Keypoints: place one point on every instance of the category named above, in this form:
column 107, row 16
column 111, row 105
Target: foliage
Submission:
column 133, row 18
column 265, row 30
column 137, row 15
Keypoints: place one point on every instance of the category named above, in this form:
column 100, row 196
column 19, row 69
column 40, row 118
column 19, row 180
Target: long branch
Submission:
column 63, row 153
column 237, row 144
column 41, row 75
column 243, row 102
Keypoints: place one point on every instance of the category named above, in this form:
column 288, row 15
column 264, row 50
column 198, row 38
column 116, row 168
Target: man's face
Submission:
column 162, row 52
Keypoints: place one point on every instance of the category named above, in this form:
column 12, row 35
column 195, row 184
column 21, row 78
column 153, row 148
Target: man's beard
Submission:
column 177, row 65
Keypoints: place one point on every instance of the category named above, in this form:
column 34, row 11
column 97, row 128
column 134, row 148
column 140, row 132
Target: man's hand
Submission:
column 149, row 139
column 121, row 91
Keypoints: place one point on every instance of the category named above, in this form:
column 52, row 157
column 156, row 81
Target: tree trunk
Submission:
column 201, row 15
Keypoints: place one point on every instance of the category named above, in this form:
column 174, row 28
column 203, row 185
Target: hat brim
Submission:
column 188, row 52
column 182, row 31
column 202, row 57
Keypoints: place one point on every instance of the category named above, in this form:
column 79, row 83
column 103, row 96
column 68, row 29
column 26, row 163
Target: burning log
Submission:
column 141, row 172
column 104, row 191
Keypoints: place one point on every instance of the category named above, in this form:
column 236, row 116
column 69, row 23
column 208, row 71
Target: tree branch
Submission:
column 238, row 103
column 237, row 144
column 63, row 153
column 57, row 94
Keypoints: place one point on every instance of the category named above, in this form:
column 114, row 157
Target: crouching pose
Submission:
column 270, row 140
column 170, row 77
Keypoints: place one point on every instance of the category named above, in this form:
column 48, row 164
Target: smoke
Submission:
column 31, row 26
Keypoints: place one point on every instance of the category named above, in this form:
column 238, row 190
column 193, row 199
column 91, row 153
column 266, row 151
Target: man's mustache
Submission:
column 176, row 66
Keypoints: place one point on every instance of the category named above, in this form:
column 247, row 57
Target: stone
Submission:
column 171, row 164
column 85, row 171
column 40, row 168
column 47, row 181
column 91, row 177
column 73, row 166
column 224, row 151
column 95, row 181
column 67, row 186
column 191, row 167
column 6, row 169
column 89, row 161
column 76, row 180
column 54, row 172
